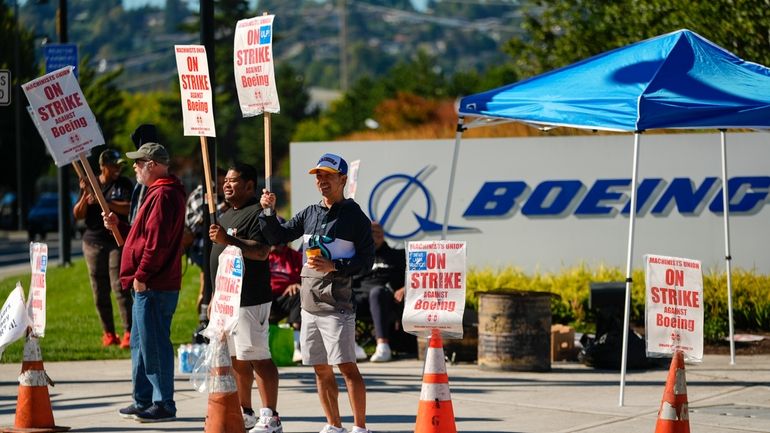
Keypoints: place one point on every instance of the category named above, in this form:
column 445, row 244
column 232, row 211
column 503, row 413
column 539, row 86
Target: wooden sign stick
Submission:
column 207, row 175
column 97, row 190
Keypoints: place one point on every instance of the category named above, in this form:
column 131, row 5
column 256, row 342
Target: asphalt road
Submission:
column 14, row 251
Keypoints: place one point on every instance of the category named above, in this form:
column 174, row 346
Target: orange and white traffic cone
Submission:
column 673, row 415
column 435, row 413
column 33, row 405
column 224, row 411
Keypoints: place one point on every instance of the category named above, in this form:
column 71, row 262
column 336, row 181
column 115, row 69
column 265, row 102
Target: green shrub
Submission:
column 751, row 295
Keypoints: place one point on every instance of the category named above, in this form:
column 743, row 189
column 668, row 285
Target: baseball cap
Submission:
column 331, row 163
column 151, row 151
column 111, row 156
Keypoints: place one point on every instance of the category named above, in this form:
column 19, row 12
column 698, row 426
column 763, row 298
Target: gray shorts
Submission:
column 251, row 339
column 328, row 338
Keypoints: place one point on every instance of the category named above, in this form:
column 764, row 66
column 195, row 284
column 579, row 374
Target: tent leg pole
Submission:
column 629, row 270
column 453, row 170
column 728, row 257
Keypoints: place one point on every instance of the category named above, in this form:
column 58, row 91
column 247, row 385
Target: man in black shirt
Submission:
column 100, row 250
column 249, row 345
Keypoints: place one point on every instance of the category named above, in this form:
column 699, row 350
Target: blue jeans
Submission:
column 152, row 355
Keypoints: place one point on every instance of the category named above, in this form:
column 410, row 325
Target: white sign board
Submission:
column 62, row 115
column 253, row 66
column 5, row 87
column 567, row 199
column 195, row 87
column 352, row 185
column 13, row 318
column 36, row 304
column 435, row 288
column 674, row 306
column 227, row 293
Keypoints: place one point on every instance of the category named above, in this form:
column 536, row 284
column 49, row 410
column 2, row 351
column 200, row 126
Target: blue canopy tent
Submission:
column 676, row 80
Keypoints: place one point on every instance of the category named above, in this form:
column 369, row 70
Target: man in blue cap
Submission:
column 337, row 240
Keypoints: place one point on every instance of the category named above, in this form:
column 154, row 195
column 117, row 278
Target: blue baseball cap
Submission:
column 330, row 163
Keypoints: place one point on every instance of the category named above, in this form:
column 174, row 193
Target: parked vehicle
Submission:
column 8, row 220
column 43, row 217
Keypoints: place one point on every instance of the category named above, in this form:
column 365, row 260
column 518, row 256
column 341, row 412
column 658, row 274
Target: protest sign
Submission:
column 253, row 66
column 227, row 294
column 435, row 288
column 352, row 184
column 38, row 253
column 197, row 102
column 13, row 318
column 674, row 307
column 62, row 115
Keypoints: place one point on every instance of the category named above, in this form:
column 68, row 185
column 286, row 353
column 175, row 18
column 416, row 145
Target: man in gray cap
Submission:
column 151, row 265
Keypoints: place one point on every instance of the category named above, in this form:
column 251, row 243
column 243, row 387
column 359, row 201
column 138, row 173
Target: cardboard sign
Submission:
column 38, row 253
column 62, row 115
column 435, row 288
column 253, row 66
column 674, row 307
column 13, row 318
column 227, row 293
column 195, row 87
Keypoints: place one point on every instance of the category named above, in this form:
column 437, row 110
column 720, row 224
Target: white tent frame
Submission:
column 490, row 121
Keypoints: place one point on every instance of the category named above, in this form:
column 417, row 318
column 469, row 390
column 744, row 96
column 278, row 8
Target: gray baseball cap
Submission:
column 151, row 151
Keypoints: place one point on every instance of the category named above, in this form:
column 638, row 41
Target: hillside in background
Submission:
column 309, row 35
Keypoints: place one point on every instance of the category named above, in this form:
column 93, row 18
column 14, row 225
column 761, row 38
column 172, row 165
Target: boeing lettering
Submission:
column 608, row 196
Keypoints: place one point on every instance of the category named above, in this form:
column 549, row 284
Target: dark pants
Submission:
column 103, row 263
column 378, row 303
column 286, row 306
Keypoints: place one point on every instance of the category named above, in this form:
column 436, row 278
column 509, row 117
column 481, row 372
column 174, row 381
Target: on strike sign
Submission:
column 62, row 115
column 36, row 302
column 674, row 306
column 435, row 288
column 227, row 294
column 253, row 66
column 197, row 106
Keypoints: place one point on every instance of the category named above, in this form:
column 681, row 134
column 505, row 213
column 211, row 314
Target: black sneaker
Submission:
column 155, row 414
column 130, row 412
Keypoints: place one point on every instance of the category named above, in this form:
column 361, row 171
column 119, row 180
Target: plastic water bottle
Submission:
column 184, row 358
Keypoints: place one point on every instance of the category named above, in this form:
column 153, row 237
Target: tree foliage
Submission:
column 560, row 32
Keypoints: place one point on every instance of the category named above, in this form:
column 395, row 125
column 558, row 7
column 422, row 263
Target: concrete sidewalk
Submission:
column 570, row 398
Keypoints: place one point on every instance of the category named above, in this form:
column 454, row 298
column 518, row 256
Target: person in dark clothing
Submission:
column 100, row 249
column 337, row 239
column 239, row 226
column 151, row 264
column 380, row 291
column 144, row 133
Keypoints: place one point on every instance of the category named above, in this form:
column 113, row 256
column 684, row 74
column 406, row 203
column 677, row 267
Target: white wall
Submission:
column 552, row 242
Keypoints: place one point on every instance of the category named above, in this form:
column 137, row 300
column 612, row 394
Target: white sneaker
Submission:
column 360, row 353
column 296, row 356
column 268, row 422
column 382, row 354
column 357, row 429
column 249, row 420
column 328, row 428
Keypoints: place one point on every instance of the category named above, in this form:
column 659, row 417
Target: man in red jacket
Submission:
column 151, row 266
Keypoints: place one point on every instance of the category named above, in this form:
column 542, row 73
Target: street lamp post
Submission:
column 17, row 117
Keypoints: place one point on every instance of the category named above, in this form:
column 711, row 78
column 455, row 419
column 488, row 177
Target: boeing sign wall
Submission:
column 549, row 203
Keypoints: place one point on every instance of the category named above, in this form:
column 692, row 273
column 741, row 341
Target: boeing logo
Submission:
column 404, row 192
column 398, row 195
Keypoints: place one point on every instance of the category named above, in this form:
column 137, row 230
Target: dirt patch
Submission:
column 741, row 348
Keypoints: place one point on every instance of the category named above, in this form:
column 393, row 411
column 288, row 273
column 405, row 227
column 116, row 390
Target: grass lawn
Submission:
column 73, row 331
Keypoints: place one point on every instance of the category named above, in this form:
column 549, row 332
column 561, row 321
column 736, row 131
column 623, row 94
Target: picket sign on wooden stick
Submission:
column 255, row 77
column 97, row 190
column 197, row 106
column 67, row 125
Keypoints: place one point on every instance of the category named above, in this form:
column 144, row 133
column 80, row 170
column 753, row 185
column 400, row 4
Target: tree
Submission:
column 560, row 32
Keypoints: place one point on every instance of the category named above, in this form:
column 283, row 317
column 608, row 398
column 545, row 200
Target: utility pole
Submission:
column 65, row 205
column 17, row 118
column 343, row 45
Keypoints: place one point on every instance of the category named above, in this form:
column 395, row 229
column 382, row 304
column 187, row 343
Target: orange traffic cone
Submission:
column 33, row 405
column 673, row 415
column 224, row 411
column 435, row 413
